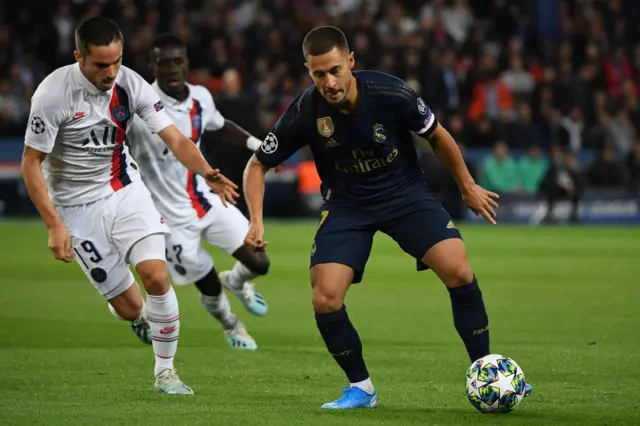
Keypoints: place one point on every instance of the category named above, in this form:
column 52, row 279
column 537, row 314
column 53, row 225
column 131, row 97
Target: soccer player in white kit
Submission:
column 191, row 211
column 88, row 190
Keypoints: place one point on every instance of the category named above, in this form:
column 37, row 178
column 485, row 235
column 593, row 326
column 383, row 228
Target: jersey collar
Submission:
column 173, row 103
column 86, row 84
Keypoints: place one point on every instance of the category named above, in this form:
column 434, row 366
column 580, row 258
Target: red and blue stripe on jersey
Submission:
column 119, row 102
column 199, row 202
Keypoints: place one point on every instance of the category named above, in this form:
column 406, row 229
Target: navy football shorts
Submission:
column 346, row 238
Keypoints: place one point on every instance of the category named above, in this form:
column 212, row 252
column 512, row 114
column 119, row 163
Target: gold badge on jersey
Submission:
column 325, row 126
column 379, row 133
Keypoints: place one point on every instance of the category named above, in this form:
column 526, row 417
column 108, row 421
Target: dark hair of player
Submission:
column 321, row 40
column 96, row 31
column 164, row 40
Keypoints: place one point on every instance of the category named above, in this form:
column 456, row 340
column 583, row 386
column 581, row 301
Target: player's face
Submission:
column 331, row 74
column 101, row 64
column 170, row 68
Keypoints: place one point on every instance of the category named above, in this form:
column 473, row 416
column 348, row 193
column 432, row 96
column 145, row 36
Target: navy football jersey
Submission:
column 365, row 158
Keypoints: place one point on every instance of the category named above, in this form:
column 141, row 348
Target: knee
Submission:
column 155, row 277
column 325, row 302
column 457, row 274
column 260, row 265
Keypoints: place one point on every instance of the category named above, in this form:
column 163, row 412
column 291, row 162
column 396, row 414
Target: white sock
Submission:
column 239, row 275
column 365, row 385
column 164, row 319
column 220, row 309
column 140, row 319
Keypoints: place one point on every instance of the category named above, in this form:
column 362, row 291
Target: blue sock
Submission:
column 470, row 319
column 343, row 343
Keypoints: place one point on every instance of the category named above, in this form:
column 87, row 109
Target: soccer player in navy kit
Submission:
column 358, row 126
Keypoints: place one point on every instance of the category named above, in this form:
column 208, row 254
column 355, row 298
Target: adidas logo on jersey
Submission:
column 451, row 225
column 331, row 143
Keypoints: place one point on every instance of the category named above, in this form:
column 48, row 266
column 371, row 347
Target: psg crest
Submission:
column 196, row 123
column 120, row 113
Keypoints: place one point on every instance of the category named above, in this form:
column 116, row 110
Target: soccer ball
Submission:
column 495, row 383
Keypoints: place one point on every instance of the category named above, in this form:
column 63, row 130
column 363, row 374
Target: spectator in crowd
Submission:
column 499, row 172
column 633, row 166
column 562, row 182
column 573, row 124
column 605, row 171
column 621, row 132
column 506, row 70
column 532, row 168
column 491, row 96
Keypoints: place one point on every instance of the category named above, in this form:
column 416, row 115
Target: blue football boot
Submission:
column 353, row 397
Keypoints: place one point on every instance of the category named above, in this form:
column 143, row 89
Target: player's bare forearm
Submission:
column 240, row 137
column 253, row 186
column 447, row 151
column 37, row 187
column 186, row 151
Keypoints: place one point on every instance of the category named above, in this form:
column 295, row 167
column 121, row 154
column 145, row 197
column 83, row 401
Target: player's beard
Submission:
column 337, row 100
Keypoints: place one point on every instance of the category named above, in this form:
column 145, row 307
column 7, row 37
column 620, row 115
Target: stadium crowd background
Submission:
column 542, row 95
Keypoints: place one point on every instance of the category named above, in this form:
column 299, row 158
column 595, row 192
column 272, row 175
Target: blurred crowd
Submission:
column 536, row 82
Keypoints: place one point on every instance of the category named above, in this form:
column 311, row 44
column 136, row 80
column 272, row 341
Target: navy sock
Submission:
column 470, row 319
column 343, row 343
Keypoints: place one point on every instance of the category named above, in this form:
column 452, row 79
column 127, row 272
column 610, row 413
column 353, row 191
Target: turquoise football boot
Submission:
column 169, row 382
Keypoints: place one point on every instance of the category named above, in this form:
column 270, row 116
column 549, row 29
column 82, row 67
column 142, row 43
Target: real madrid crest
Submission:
column 313, row 249
column 379, row 133
column 325, row 126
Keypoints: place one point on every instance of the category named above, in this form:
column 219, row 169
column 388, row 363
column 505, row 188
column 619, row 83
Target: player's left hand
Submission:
column 481, row 202
column 224, row 187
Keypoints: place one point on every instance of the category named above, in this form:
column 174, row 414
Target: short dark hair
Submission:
column 166, row 39
column 321, row 40
column 96, row 31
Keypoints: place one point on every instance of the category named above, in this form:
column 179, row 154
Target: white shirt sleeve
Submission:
column 213, row 119
column 45, row 118
column 147, row 104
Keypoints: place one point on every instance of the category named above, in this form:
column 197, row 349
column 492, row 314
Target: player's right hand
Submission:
column 225, row 189
column 254, row 237
column 60, row 243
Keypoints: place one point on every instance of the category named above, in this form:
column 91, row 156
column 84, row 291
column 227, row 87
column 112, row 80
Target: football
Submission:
column 495, row 383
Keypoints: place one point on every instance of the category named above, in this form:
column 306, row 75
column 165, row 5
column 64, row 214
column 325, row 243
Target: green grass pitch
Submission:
column 563, row 302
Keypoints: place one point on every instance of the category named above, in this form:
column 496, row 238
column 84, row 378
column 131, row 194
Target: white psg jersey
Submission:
column 181, row 196
column 82, row 129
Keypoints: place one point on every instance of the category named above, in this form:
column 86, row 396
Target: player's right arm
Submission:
column 44, row 120
column 282, row 142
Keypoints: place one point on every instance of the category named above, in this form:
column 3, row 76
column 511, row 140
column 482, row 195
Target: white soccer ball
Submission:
column 495, row 383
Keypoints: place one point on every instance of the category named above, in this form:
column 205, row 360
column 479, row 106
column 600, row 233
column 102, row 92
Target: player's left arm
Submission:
column 151, row 110
column 418, row 117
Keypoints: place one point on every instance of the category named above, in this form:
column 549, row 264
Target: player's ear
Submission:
column 78, row 57
column 352, row 60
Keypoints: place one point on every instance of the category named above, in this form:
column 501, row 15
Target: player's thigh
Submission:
column 448, row 259
column 342, row 239
column 136, row 217
column 187, row 259
column 419, row 231
column 94, row 250
column 226, row 227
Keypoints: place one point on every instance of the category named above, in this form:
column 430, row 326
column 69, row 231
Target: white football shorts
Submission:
column 223, row 227
column 103, row 232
